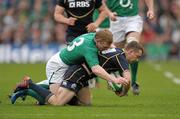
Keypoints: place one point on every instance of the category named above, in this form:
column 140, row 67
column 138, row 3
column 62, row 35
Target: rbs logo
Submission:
column 79, row 4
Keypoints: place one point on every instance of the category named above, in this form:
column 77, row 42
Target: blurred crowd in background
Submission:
column 161, row 36
column 28, row 32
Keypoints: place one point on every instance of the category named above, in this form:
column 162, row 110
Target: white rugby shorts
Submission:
column 123, row 25
column 55, row 69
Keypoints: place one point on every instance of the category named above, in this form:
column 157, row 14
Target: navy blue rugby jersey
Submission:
column 82, row 10
column 113, row 59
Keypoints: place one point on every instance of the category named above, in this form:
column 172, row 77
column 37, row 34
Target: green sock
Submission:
column 134, row 68
column 97, row 79
column 39, row 98
column 35, row 95
column 44, row 86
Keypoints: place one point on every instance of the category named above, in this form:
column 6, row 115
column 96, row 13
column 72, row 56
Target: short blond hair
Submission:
column 105, row 36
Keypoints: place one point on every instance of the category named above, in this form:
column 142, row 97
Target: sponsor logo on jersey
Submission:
column 73, row 86
column 71, row 0
column 79, row 4
column 109, row 51
column 64, row 83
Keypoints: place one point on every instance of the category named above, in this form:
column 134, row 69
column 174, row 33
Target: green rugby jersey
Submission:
column 81, row 49
column 123, row 7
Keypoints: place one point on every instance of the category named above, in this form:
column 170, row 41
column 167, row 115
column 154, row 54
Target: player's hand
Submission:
column 150, row 14
column 71, row 21
column 121, row 80
column 124, row 91
column 91, row 27
column 113, row 16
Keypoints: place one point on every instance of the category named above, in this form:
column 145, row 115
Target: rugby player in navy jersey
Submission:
column 78, row 16
column 77, row 76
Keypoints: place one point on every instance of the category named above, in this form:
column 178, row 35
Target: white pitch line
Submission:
column 176, row 80
column 167, row 74
column 171, row 76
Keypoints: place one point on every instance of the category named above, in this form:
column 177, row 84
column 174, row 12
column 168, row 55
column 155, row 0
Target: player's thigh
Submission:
column 84, row 96
column 54, row 88
column 134, row 26
column 118, row 30
column 63, row 96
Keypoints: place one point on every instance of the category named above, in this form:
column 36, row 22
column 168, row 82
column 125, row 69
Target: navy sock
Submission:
column 46, row 94
column 35, row 95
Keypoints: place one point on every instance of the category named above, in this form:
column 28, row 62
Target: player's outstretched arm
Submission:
column 99, row 71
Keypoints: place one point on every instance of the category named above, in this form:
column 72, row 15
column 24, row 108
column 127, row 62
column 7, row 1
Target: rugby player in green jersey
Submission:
column 126, row 26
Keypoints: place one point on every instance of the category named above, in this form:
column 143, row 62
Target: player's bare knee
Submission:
column 56, row 102
column 86, row 103
column 132, row 38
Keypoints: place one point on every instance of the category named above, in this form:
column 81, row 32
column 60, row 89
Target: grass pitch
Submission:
column 159, row 97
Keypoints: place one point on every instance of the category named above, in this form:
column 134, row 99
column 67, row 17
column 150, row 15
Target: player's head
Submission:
column 103, row 39
column 133, row 51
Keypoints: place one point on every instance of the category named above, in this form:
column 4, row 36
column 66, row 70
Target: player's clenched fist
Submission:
column 71, row 21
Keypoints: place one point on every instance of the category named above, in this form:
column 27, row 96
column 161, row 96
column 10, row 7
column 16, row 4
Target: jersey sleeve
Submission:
column 91, row 59
column 61, row 3
column 98, row 3
column 122, row 62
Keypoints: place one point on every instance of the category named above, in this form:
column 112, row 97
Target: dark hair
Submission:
column 135, row 46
